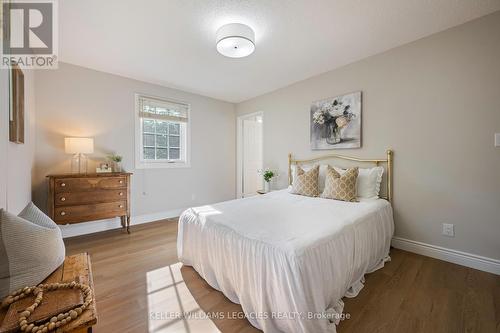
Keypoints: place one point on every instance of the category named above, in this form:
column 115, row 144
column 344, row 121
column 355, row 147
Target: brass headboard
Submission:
column 388, row 160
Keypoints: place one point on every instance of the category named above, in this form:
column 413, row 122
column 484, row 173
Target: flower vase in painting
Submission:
column 336, row 122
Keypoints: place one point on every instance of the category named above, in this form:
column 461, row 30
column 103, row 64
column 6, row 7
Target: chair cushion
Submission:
column 31, row 248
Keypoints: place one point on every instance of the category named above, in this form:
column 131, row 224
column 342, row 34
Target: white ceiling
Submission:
column 172, row 42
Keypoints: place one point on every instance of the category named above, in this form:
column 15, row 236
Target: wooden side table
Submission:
column 74, row 267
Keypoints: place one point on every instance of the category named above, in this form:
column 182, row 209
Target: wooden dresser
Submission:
column 75, row 198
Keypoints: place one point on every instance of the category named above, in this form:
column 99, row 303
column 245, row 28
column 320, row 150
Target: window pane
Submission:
column 174, row 128
column 174, row 141
column 149, row 153
column 148, row 125
column 148, row 140
column 161, row 154
column 174, row 153
column 161, row 141
column 161, row 127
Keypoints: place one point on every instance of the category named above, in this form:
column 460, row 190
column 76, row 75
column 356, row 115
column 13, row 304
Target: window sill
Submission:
column 162, row 165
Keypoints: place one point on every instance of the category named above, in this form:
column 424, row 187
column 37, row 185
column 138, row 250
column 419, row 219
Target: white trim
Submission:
column 185, row 138
column 239, row 148
column 457, row 257
column 71, row 230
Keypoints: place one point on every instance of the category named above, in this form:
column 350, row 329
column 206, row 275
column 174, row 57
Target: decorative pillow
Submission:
column 306, row 183
column 322, row 174
column 369, row 180
column 340, row 187
column 31, row 247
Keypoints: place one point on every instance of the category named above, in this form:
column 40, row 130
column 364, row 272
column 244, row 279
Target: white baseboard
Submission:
column 71, row 230
column 457, row 257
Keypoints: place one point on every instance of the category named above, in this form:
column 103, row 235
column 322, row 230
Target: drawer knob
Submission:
column 121, row 182
column 63, row 184
column 63, row 199
column 63, row 213
column 121, row 193
column 121, row 206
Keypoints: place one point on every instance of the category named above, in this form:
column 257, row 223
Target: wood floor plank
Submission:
column 138, row 281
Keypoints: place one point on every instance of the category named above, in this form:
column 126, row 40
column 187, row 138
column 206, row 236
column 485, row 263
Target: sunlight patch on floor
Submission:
column 171, row 307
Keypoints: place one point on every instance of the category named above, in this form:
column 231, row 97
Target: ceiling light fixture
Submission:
column 235, row 40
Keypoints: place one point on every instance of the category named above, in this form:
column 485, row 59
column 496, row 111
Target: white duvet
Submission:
column 287, row 259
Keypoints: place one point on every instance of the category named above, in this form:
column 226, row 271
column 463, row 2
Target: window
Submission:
column 161, row 133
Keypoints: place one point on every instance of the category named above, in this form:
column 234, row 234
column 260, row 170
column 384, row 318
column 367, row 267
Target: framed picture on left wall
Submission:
column 16, row 107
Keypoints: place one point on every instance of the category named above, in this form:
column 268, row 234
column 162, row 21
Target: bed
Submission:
column 289, row 259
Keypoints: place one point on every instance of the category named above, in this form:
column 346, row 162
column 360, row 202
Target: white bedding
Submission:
column 287, row 259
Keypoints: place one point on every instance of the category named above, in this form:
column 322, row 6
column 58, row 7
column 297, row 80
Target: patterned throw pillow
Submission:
column 340, row 187
column 306, row 183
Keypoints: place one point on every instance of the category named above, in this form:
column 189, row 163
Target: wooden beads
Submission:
column 56, row 321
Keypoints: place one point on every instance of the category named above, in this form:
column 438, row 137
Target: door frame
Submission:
column 239, row 148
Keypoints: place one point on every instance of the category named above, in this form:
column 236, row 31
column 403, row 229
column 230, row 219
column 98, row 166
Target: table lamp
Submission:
column 78, row 147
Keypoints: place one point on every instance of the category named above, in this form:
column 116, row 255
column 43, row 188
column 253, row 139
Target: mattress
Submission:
column 287, row 259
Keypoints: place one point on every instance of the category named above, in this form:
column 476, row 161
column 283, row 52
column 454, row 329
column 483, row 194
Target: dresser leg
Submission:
column 123, row 221
column 128, row 224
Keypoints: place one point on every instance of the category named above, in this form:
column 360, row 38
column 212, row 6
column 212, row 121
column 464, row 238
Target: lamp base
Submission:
column 79, row 163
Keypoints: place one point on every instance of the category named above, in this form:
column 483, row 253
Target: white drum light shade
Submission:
column 235, row 40
column 79, row 145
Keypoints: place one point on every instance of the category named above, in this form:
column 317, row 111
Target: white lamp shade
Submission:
column 79, row 145
column 235, row 40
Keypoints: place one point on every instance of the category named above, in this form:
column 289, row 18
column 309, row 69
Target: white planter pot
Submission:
column 267, row 186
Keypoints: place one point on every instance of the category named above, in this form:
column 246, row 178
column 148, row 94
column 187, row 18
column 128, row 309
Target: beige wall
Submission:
column 16, row 160
column 75, row 101
column 436, row 102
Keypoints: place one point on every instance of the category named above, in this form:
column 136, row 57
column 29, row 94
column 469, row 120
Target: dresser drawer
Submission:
column 86, row 197
column 89, row 184
column 74, row 214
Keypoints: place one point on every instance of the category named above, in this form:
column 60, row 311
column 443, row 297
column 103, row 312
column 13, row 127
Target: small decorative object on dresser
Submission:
column 75, row 198
column 104, row 167
column 117, row 160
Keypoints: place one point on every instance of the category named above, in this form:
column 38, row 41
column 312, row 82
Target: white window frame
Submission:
column 185, row 138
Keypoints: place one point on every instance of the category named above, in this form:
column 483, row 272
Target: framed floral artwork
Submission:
column 336, row 122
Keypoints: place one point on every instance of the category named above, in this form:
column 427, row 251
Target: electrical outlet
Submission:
column 497, row 139
column 448, row 230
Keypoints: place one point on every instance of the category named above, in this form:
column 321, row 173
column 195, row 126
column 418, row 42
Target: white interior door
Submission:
column 250, row 154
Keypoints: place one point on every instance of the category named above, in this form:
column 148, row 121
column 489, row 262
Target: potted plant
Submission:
column 268, row 176
column 116, row 160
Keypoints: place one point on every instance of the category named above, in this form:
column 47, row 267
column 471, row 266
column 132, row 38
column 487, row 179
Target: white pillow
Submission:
column 321, row 178
column 368, row 182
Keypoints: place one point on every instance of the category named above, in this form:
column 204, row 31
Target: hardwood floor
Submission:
column 140, row 285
